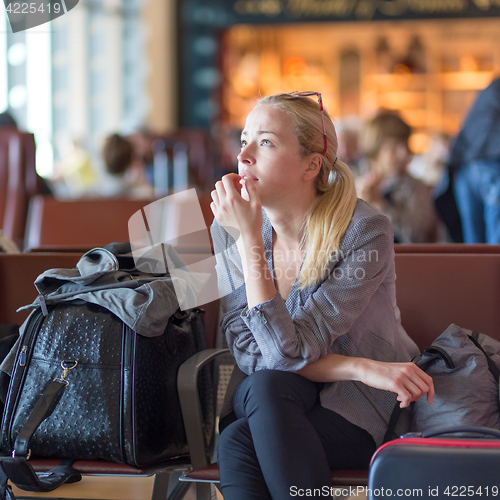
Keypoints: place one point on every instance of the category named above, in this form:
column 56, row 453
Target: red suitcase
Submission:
column 437, row 464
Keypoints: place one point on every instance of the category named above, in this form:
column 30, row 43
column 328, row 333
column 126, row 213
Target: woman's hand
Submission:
column 234, row 208
column 407, row 380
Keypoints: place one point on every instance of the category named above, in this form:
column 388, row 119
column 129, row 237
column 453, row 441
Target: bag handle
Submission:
column 44, row 407
column 17, row 468
column 22, row 474
column 472, row 429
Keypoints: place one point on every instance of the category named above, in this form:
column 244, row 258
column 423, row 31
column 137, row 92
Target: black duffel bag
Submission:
column 85, row 385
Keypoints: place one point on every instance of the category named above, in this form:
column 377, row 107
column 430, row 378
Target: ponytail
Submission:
column 327, row 223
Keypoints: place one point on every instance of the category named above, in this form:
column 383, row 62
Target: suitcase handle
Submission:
column 475, row 429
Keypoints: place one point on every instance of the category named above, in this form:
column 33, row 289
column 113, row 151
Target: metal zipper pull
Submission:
column 262, row 317
column 22, row 358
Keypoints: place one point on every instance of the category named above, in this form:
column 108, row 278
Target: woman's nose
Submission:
column 245, row 156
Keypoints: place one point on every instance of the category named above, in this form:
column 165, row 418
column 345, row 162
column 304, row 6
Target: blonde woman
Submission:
column 309, row 312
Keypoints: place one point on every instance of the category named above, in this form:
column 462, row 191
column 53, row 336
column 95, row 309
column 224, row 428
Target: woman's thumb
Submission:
column 250, row 185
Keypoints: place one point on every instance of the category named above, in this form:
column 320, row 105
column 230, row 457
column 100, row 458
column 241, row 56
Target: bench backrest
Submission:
column 77, row 225
column 437, row 289
column 81, row 224
column 433, row 290
column 17, row 275
column 18, row 180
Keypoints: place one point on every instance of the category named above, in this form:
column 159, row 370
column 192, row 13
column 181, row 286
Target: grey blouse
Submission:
column 352, row 312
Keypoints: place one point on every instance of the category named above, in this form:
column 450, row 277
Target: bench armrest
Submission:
column 187, row 386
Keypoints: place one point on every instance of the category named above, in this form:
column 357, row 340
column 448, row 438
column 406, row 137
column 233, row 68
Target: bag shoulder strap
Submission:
column 18, row 469
column 491, row 364
column 393, row 421
column 44, row 407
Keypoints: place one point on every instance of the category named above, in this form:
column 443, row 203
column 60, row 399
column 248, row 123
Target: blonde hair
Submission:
column 332, row 209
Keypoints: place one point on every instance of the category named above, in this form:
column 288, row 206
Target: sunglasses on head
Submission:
column 320, row 102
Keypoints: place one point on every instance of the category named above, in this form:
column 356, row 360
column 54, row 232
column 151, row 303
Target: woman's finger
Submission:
column 229, row 184
column 430, row 384
column 251, row 189
column 221, row 192
column 420, row 384
column 232, row 180
column 424, row 382
column 430, row 394
column 213, row 207
column 404, row 397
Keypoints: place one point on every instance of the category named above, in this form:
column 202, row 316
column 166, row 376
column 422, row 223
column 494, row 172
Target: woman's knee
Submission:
column 272, row 387
column 235, row 437
column 268, row 384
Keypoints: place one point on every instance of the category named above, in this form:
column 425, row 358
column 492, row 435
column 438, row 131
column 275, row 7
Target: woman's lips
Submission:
column 248, row 176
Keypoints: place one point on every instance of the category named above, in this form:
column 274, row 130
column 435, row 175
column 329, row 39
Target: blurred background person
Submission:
column 7, row 120
column 473, row 172
column 125, row 165
column 7, row 245
column 143, row 141
column 74, row 175
column 348, row 130
column 388, row 186
column 430, row 165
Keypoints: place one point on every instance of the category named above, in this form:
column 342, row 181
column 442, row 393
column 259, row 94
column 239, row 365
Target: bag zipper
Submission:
column 441, row 353
column 22, row 356
column 127, row 365
column 19, row 373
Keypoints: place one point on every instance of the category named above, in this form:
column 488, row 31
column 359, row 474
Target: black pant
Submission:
column 284, row 440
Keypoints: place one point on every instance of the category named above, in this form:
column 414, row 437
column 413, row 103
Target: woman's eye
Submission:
column 266, row 142
column 243, row 144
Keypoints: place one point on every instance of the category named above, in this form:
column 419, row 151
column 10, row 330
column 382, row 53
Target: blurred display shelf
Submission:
column 398, row 81
column 431, row 83
column 465, row 80
column 428, row 101
column 402, row 99
column 450, row 80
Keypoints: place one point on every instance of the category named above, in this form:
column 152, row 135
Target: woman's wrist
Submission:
column 337, row 368
column 253, row 252
column 355, row 368
column 362, row 369
column 259, row 284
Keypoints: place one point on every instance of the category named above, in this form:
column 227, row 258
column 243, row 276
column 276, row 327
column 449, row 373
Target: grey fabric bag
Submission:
column 465, row 368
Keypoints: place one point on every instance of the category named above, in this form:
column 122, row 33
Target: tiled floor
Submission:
column 100, row 488
column 123, row 488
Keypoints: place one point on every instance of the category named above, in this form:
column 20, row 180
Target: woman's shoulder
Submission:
column 363, row 211
column 368, row 223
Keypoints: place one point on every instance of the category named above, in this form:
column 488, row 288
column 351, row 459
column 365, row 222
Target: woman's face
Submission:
column 270, row 154
column 393, row 157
